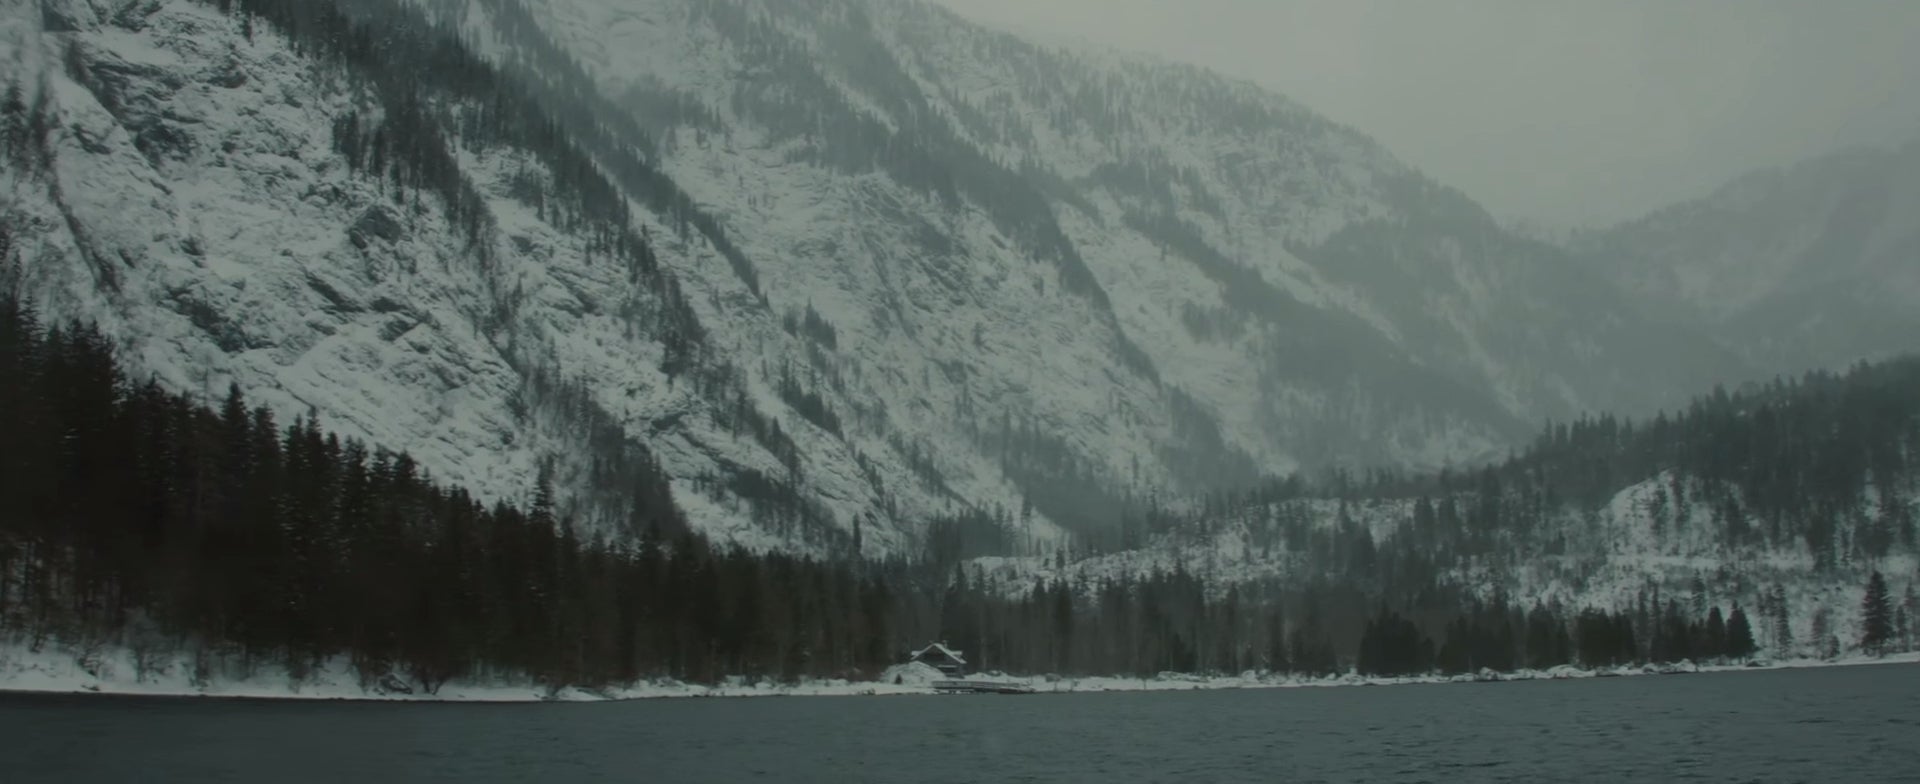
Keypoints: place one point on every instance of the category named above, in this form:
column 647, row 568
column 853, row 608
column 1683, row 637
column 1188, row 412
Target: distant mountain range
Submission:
column 1811, row 265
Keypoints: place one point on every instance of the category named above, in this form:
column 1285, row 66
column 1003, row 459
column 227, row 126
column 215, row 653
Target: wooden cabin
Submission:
column 947, row 660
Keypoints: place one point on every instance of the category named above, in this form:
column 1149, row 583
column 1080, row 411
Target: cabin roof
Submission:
column 943, row 650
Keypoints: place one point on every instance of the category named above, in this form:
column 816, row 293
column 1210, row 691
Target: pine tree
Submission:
column 1820, row 637
column 1876, row 616
column 1714, row 645
column 1276, row 654
column 1740, row 643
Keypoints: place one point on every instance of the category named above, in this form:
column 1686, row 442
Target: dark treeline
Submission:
column 1504, row 638
column 138, row 516
column 143, row 518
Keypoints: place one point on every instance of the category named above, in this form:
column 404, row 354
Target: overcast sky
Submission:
column 1573, row 113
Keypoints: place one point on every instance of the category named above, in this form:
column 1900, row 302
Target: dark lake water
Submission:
column 1853, row 724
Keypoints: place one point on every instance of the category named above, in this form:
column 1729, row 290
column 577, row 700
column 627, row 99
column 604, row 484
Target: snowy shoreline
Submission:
column 50, row 671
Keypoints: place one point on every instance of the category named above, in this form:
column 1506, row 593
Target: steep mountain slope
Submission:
column 1816, row 264
column 279, row 199
column 835, row 269
column 1322, row 301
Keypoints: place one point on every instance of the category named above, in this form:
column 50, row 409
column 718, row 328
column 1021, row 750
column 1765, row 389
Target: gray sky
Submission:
column 1565, row 112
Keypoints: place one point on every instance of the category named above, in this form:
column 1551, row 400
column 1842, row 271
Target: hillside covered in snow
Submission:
column 845, row 276
column 839, row 269
column 1786, row 500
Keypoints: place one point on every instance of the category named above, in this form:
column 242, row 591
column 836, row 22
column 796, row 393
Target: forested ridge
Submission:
column 143, row 519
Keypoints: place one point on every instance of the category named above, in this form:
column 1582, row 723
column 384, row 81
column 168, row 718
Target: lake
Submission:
column 1852, row 724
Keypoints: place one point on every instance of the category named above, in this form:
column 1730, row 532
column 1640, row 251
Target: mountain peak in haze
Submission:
column 1816, row 264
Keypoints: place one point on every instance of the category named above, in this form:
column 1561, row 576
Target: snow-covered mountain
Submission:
column 836, row 267
column 1815, row 264
column 1318, row 298
column 1283, row 276
column 237, row 205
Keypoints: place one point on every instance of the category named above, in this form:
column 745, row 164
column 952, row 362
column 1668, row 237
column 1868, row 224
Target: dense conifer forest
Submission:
column 142, row 518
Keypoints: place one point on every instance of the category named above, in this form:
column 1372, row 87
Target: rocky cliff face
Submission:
column 238, row 205
column 1284, row 276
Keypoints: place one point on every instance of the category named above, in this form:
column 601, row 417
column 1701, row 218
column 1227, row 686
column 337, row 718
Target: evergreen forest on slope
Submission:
column 140, row 518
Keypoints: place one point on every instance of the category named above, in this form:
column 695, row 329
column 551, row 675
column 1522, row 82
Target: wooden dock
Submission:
column 981, row 687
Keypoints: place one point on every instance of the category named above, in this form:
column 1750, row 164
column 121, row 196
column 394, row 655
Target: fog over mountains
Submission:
column 1795, row 267
column 842, row 268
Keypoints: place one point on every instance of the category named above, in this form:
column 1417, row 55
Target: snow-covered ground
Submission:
column 113, row 671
